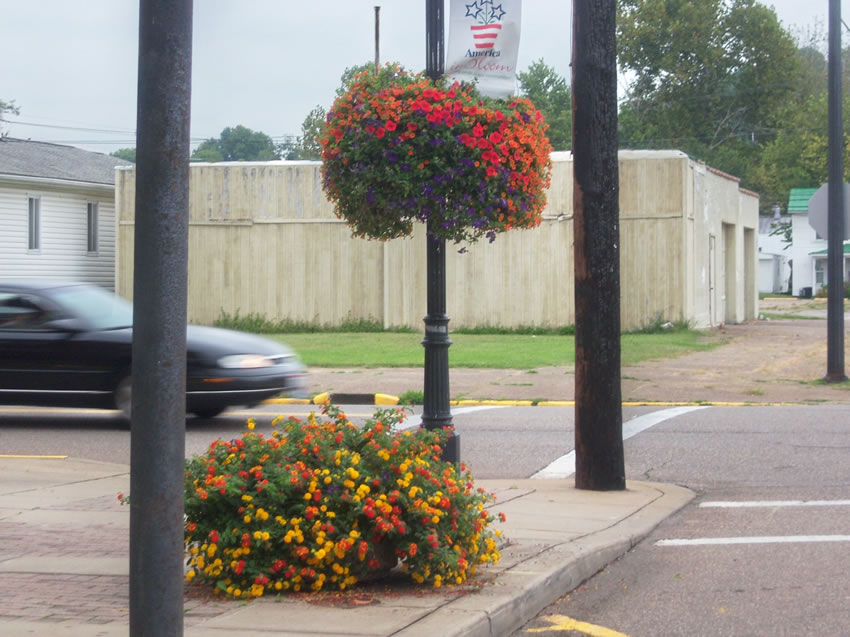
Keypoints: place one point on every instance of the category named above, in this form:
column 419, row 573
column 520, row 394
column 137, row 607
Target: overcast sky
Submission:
column 70, row 65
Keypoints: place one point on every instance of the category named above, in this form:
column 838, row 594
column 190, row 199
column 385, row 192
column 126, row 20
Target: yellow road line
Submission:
column 562, row 622
column 25, row 457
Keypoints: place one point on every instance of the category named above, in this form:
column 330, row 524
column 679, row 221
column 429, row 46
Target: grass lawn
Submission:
column 513, row 351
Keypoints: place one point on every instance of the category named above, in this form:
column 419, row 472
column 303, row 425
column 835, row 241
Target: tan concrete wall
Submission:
column 263, row 239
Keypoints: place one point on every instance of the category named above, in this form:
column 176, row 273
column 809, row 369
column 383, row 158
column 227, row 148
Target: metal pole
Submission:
column 157, row 449
column 377, row 39
column 598, row 409
column 835, row 207
column 436, row 410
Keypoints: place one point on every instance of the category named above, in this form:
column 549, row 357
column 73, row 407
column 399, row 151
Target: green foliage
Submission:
column 412, row 397
column 797, row 157
column 566, row 330
column 237, row 144
column 708, row 77
column 325, row 503
column 260, row 324
column 496, row 351
column 307, row 145
column 659, row 325
column 550, row 93
column 401, row 148
column 781, row 228
column 128, row 154
column 7, row 108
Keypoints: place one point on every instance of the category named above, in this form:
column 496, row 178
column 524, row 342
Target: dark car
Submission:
column 69, row 344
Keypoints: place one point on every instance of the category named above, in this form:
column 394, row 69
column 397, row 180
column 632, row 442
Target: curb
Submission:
column 388, row 399
column 338, row 399
column 562, row 568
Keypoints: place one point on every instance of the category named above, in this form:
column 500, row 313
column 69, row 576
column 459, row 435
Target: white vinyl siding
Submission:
column 63, row 234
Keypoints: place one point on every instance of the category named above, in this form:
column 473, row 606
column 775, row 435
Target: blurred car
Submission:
column 69, row 345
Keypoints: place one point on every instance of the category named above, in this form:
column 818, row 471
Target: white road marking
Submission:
column 414, row 420
column 565, row 466
column 773, row 504
column 764, row 539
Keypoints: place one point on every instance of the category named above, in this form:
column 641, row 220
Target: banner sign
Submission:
column 483, row 44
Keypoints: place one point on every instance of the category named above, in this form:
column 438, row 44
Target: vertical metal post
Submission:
column 157, row 450
column 835, row 207
column 600, row 463
column 377, row 39
column 436, row 410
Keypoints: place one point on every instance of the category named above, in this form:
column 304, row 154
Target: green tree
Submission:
column 707, row 77
column 7, row 107
column 128, row 154
column 306, row 145
column 797, row 157
column 550, row 93
column 237, row 144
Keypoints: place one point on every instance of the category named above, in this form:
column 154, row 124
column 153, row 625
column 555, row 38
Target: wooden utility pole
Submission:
column 598, row 412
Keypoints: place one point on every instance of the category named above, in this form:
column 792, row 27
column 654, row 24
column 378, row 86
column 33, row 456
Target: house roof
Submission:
column 798, row 200
column 826, row 250
column 40, row 160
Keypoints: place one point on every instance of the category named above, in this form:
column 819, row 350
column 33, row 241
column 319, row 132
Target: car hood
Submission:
column 211, row 343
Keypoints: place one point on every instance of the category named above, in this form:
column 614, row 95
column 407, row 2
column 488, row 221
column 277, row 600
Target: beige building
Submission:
column 264, row 239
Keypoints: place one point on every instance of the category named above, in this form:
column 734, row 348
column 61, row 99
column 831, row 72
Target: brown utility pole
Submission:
column 600, row 464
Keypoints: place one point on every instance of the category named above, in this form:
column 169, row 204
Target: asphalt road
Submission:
column 776, row 566
column 774, row 562
column 496, row 442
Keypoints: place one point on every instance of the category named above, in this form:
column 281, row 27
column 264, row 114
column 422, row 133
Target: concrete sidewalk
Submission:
column 64, row 561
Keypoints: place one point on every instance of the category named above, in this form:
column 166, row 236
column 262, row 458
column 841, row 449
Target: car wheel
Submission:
column 122, row 396
column 208, row 412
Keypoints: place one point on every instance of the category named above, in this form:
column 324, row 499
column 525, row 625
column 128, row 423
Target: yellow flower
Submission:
column 190, row 576
column 247, row 519
column 251, row 424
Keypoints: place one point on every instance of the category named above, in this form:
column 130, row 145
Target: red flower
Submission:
column 380, row 133
column 391, row 125
column 411, row 126
column 478, row 130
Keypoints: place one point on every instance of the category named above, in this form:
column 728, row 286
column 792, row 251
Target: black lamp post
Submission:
column 436, row 411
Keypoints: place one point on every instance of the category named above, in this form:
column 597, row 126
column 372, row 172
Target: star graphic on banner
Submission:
column 498, row 13
column 472, row 10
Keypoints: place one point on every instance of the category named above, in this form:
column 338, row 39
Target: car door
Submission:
column 34, row 356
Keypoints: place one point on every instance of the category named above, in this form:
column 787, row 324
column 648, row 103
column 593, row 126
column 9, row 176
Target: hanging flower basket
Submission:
column 400, row 147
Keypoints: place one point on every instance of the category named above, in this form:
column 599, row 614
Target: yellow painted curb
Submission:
column 24, row 457
column 556, row 403
column 322, row 399
column 288, row 401
column 386, row 399
column 492, row 403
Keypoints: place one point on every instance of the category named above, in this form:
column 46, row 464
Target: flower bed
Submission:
column 323, row 503
column 401, row 147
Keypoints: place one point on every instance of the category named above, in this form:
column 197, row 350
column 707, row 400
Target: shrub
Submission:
column 324, row 503
column 401, row 147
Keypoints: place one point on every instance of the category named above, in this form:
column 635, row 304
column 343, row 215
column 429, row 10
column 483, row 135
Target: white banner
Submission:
column 483, row 44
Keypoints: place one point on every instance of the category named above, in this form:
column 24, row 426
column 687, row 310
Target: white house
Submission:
column 808, row 248
column 57, row 212
column 774, row 255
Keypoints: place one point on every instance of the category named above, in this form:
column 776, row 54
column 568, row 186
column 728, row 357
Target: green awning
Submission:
column 846, row 250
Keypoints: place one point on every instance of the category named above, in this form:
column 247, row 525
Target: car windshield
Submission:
column 102, row 309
